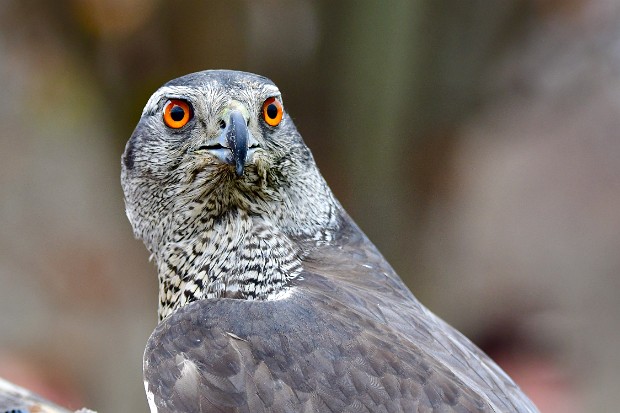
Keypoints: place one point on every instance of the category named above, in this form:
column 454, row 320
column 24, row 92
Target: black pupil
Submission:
column 272, row 111
column 177, row 113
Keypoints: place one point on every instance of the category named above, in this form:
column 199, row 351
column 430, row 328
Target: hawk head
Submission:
column 214, row 166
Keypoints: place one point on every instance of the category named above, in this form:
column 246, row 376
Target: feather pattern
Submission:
column 350, row 337
column 271, row 298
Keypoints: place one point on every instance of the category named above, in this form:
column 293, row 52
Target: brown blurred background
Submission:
column 475, row 142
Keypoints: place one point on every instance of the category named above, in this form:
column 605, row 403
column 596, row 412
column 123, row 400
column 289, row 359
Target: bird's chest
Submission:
column 237, row 257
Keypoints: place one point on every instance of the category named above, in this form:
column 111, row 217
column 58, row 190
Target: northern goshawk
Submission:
column 271, row 298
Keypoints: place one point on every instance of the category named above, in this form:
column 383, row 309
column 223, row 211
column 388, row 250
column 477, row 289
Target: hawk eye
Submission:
column 272, row 111
column 177, row 113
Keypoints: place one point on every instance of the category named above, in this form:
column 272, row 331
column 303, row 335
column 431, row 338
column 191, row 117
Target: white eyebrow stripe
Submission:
column 191, row 92
column 272, row 89
column 168, row 91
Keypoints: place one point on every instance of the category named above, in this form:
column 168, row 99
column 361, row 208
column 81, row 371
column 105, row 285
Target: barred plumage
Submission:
column 271, row 298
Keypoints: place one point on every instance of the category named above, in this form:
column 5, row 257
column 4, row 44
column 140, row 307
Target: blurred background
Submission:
column 475, row 142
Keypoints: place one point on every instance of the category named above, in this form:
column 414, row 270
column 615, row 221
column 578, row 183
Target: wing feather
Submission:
column 349, row 337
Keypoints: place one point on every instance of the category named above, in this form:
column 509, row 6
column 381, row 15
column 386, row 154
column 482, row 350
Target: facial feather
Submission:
column 213, row 233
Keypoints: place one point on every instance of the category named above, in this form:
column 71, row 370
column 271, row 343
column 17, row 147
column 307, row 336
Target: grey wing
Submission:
column 15, row 399
column 350, row 337
column 302, row 354
column 359, row 275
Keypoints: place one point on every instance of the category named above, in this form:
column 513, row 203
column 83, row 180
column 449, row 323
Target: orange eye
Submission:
column 272, row 111
column 177, row 113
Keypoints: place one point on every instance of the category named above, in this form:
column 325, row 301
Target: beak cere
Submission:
column 237, row 139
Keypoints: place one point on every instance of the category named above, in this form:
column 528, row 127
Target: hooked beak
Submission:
column 235, row 144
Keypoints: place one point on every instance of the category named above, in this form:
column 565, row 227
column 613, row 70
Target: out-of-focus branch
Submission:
column 15, row 399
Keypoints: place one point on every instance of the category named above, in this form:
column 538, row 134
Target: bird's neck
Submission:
column 241, row 253
column 237, row 256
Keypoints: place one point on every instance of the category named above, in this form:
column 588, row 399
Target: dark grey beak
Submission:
column 235, row 144
column 237, row 139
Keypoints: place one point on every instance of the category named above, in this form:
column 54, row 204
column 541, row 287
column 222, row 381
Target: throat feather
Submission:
column 235, row 256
